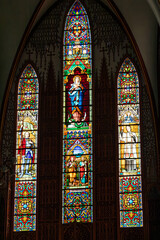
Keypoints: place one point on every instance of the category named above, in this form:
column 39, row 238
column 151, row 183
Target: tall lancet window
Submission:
column 26, row 151
column 130, row 183
column 77, row 118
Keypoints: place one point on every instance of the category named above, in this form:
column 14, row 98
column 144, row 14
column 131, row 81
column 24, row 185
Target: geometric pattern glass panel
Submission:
column 77, row 202
column 26, row 151
column 129, row 145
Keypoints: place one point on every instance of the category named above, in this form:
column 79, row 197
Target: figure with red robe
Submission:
column 27, row 155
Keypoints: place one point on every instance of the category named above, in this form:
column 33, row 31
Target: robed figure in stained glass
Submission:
column 26, row 153
column 76, row 93
column 130, row 153
column 77, row 99
column 83, row 170
column 26, row 143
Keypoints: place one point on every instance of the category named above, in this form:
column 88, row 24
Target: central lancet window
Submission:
column 77, row 118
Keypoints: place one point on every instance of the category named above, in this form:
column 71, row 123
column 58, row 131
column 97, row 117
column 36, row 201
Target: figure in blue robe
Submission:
column 76, row 93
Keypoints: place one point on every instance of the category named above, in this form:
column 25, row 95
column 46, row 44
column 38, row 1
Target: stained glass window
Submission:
column 26, row 151
column 77, row 118
column 130, row 183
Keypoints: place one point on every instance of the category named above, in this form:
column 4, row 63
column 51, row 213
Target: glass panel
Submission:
column 130, row 201
column 128, row 114
column 26, row 140
column 78, row 214
column 77, row 197
column 129, row 150
column 27, row 120
column 77, row 179
column 76, row 159
column 25, row 223
column 78, row 134
column 77, row 9
column 131, row 218
column 130, row 167
column 27, row 101
column 26, row 171
column 129, row 133
column 130, row 184
column 29, row 72
column 25, row 189
column 77, row 50
column 28, row 86
column 78, row 146
column 25, row 206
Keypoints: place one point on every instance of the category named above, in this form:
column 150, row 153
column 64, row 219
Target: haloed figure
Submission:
column 76, row 93
column 130, row 153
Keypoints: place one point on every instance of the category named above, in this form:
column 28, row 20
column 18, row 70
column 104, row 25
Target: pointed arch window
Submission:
column 129, row 141
column 77, row 118
column 26, row 151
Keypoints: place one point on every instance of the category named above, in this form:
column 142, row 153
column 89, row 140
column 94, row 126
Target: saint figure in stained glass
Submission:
column 129, row 138
column 76, row 93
